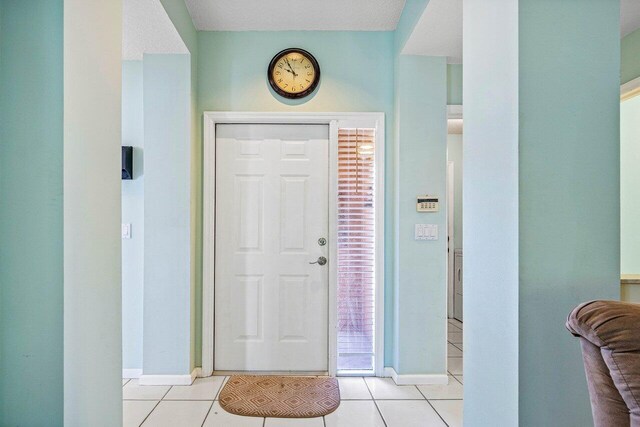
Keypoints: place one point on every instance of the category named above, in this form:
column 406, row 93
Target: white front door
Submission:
column 271, row 304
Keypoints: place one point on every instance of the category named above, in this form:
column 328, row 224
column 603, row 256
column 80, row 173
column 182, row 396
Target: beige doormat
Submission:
column 280, row 396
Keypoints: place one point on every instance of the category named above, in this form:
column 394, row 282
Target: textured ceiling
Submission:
column 280, row 15
column 629, row 16
column 148, row 29
column 439, row 30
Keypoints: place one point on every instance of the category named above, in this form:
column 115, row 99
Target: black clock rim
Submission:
column 281, row 92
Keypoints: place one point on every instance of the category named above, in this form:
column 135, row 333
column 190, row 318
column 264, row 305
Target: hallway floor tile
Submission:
column 366, row 402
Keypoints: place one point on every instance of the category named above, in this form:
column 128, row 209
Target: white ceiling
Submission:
column 280, row 15
column 629, row 16
column 147, row 28
column 439, row 30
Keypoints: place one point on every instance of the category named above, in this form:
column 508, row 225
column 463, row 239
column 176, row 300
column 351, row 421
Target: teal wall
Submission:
column 360, row 76
column 419, row 146
column 629, row 185
column 31, row 263
column 133, row 213
column 357, row 76
column 420, row 277
column 167, row 342
column 569, row 155
column 454, row 84
column 454, row 154
column 630, row 57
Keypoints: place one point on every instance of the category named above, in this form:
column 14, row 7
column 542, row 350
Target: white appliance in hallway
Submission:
column 271, row 272
column 457, row 285
column 450, row 237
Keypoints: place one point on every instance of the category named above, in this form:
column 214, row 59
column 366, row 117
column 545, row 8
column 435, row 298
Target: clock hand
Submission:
column 291, row 68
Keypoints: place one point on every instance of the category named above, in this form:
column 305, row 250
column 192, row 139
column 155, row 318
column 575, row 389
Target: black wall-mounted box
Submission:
column 127, row 162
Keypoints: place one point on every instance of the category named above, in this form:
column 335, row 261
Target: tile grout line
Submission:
column 220, row 389
column 432, row 407
column 150, row 412
column 207, row 416
column 398, row 400
column 456, row 378
column 165, row 395
column 375, row 403
column 155, row 407
column 416, row 387
column 437, row 413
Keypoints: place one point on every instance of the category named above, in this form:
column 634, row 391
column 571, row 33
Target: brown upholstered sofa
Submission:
column 609, row 334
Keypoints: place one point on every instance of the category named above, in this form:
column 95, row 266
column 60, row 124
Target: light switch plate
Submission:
column 426, row 232
column 126, row 231
column 433, row 232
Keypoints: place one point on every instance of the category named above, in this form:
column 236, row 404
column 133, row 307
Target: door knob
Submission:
column 321, row 261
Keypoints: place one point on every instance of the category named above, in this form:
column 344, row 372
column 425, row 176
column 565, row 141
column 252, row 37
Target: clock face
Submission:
column 294, row 73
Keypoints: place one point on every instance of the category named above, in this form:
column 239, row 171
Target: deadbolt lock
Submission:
column 322, row 241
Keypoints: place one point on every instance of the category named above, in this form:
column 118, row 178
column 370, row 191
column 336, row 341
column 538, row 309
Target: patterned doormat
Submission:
column 280, row 396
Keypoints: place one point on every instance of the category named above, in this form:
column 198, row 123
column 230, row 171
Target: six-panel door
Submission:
column 271, row 303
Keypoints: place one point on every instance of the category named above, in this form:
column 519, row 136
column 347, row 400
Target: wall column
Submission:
column 167, row 216
column 541, row 99
column 420, row 283
column 92, row 198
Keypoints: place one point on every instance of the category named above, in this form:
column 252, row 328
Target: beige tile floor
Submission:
column 366, row 401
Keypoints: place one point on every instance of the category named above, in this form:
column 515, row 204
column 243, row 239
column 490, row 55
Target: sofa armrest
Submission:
column 611, row 324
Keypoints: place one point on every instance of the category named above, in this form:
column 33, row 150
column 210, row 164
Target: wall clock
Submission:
column 294, row 73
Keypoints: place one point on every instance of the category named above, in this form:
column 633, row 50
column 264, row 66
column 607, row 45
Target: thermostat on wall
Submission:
column 427, row 204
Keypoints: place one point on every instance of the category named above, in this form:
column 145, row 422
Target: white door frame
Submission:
column 630, row 89
column 450, row 235
column 334, row 121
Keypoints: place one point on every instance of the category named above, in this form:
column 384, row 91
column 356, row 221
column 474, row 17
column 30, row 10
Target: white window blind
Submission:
column 356, row 249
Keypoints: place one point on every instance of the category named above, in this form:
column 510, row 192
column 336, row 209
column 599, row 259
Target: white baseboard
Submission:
column 169, row 379
column 131, row 373
column 417, row 379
